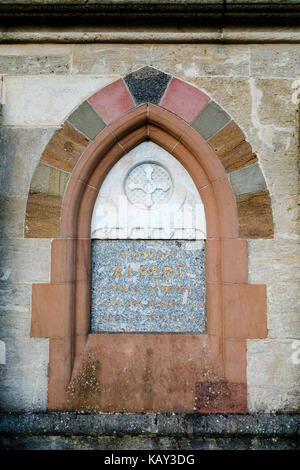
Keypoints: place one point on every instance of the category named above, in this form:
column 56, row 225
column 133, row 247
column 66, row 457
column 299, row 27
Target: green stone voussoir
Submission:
column 210, row 120
column 248, row 180
column 86, row 120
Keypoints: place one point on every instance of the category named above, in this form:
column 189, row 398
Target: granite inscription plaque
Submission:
column 148, row 286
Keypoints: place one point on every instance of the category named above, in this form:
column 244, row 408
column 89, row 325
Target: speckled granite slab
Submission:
column 148, row 286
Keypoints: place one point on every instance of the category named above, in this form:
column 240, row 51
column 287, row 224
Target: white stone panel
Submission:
column 46, row 100
column 148, row 194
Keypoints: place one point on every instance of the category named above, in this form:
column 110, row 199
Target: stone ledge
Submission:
column 151, row 425
column 176, row 10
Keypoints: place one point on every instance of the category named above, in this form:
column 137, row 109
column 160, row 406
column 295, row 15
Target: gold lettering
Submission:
column 179, row 270
column 144, row 270
column 168, row 270
column 129, row 273
column 154, row 273
column 117, row 271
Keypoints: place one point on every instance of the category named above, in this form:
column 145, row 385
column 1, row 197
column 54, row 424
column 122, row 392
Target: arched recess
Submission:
column 148, row 372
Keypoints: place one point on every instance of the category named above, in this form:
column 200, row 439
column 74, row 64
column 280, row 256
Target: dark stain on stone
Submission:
column 84, row 388
column 221, row 396
column 147, row 381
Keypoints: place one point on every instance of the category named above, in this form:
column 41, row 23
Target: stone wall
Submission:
column 254, row 83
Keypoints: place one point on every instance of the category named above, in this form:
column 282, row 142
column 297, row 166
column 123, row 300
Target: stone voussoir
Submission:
column 211, row 120
column 247, row 180
column 255, row 215
column 231, row 147
column 64, row 148
column 112, row 101
column 49, row 180
column 42, row 215
column 184, row 100
column 147, row 85
column 86, row 120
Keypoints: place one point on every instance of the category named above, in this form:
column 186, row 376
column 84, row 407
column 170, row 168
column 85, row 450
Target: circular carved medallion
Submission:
column 148, row 185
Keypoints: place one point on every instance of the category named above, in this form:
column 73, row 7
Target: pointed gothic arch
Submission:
column 235, row 310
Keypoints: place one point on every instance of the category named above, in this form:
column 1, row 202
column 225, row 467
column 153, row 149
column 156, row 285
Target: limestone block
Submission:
column 278, row 155
column 21, row 151
column 46, row 100
column 191, row 61
column 286, row 215
column 273, row 261
column 276, row 60
column 12, row 213
column 283, row 310
column 36, row 49
column 273, row 378
column 23, row 384
column 34, row 65
column 25, row 260
column 274, row 102
column 233, row 94
column 119, row 59
column 14, row 325
column 15, row 298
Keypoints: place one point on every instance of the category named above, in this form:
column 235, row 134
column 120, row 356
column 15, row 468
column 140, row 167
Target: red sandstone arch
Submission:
column 87, row 371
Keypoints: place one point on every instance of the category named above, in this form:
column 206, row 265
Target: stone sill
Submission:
column 151, row 425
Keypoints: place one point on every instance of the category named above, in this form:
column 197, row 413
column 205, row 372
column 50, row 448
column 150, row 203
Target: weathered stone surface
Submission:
column 154, row 424
column 232, row 93
column 47, row 179
column 15, row 256
column 34, row 65
column 42, row 215
column 36, row 49
column 148, row 286
column 23, row 378
column 147, row 85
column 21, row 150
column 119, row 59
column 210, row 120
column 278, row 156
column 273, row 378
column 255, row 215
column 279, row 60
column 12, row 214
column 286, row 212
column 273, row 260
column 192, row 61
column 86, row 120
column 148, row 443
column 274, row 104
column 248, row 180
column 23, row 384
column 46, row 100
column 64, row 148
column 15, row 297
column 283, row 309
